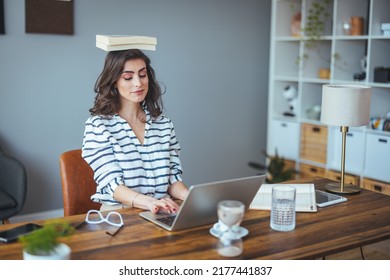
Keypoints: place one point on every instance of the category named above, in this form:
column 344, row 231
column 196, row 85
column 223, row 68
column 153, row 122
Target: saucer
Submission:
column 239, row 230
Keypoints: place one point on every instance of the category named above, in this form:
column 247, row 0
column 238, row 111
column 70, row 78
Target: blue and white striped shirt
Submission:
column 117, row 157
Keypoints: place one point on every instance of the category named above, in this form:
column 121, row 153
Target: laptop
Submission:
column 200, row 206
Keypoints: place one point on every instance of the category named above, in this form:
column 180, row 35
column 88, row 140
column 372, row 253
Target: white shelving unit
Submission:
column 368, row 150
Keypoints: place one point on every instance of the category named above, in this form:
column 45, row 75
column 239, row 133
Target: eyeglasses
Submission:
column 96, row 217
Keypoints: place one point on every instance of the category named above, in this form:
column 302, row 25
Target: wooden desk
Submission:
column 363, row 219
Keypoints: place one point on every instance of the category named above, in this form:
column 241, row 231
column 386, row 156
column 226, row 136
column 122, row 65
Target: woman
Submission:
column 130, row 145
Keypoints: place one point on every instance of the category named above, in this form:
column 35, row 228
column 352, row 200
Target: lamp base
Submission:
column 336, row 188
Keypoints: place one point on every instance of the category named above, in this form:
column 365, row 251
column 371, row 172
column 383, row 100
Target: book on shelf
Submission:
column 109, row 48
column 385, row 25
column 125, row 39
column 305, row 199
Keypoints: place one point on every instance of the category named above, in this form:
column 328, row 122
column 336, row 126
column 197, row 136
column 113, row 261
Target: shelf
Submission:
column 350, row 82
column 286, row 60
column 380, row 13
column 380, row 37
column 310, row 121
column 294, row 63
column 315, row 80
column 345, row 9
column 286, row 79
column 378, row 132
column 287, row 39
column 351, row 38
column 318, row 57
column 350, row 54
column 285, row 9
column 379, row 56
column 380, row 85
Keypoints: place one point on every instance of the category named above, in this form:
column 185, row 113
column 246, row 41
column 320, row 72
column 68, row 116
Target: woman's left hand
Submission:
column 165, row 205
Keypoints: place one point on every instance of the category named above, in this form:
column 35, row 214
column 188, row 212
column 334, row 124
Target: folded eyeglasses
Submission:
column 96, row 217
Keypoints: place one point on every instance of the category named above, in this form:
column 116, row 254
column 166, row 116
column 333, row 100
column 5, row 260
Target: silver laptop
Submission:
column 200, row 206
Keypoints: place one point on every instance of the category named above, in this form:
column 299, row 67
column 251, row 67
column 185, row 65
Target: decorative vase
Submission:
column 296, row 25
column 61, row 252
column 324, row 73
column 357, row 24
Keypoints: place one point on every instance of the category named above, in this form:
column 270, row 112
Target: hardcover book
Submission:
column 125, row 40
column 109, row 48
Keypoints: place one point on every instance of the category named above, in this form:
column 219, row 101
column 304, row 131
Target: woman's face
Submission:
column 133, row 84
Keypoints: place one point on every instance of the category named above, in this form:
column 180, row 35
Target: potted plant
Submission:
column 45, row 243
column 276, row 170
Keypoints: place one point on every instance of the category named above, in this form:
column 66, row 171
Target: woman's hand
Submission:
column 139, row 200
column 164, row 205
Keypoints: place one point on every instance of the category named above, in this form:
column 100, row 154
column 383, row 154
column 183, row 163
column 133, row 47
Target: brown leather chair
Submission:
column 77, row 184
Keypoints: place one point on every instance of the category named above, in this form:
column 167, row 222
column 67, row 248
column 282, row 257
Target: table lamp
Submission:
column 345, row 106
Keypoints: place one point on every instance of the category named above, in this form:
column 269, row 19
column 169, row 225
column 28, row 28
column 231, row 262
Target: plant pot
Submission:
column 62, row 252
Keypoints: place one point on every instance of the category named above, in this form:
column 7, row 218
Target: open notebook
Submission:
column 305, row 198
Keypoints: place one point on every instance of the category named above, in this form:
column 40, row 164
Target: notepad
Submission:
column 305, row 198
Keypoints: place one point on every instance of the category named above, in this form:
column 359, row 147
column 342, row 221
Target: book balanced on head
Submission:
column 125, row 42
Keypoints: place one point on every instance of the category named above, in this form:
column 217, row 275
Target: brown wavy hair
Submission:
column 107, row 102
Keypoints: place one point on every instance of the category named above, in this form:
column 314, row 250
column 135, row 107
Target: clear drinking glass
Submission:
column 230, row 213
column 283, row 208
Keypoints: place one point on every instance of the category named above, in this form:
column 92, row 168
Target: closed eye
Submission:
column 128, row 75
column 143, row 73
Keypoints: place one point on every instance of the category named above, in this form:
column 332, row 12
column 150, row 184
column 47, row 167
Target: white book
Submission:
column 385, row 26
column 305, row 200
column 109, row 48
column 125, row 39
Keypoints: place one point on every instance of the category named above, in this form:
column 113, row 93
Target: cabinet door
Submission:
column 348, row 179
column 284, row 139
column 313, row 142
column 378, row 157
column 310, row 171
column 376, row 186
column 354, row 154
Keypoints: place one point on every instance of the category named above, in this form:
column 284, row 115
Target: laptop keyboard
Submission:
column 167, row 220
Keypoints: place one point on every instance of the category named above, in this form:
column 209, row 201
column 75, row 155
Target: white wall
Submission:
column 212, row 55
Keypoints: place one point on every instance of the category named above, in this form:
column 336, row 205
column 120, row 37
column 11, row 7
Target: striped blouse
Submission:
column 117, row 157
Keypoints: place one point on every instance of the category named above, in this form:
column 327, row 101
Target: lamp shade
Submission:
column 345, row 105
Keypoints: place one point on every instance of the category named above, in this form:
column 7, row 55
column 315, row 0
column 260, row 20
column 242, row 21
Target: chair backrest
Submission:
column 77, row 184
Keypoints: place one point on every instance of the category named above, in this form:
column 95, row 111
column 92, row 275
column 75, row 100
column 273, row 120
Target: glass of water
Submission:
column 283, row 208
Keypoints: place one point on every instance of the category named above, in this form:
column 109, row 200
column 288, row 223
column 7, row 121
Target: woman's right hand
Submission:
column 163, row 205
column 139, row 200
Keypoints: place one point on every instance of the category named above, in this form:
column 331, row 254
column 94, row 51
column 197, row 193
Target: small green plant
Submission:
column 276, row 170
column 316, row 19
column 43, row 241
column 317, row 16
